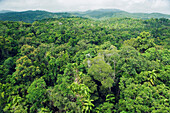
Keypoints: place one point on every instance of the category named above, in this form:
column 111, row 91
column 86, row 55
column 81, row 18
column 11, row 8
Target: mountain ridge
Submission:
column 33, row 15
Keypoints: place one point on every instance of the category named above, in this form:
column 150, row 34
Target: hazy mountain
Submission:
column 100, row 13
column 108, row 13
column 31, row 16
column 141, row 15
column 104, row 10
column 5, row 11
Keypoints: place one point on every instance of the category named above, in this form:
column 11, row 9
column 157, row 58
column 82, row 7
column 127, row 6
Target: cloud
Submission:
column 162, row 6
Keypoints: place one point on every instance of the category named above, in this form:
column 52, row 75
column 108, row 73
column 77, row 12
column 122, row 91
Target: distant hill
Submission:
column 31, row 16
column 108, row 13
column 5, row 11
column 100, row 13
column 141, row 15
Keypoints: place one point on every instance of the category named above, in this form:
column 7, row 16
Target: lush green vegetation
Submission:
column 79, row 65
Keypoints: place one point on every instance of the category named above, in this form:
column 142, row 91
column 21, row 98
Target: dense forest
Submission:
column 81, row 65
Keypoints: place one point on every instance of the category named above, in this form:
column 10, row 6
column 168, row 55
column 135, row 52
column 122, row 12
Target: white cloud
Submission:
column 162, row 6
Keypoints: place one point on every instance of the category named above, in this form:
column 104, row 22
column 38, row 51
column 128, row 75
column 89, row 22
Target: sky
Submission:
column 146, row 6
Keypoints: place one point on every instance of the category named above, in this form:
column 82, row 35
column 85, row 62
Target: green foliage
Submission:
column 101, row 71
column 82, row 93
column 143, row 97
column 80, row 65
column 108, row 105
column 142, row 42
column 37, row 94
column 25, row 70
